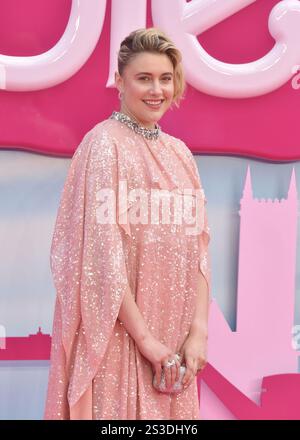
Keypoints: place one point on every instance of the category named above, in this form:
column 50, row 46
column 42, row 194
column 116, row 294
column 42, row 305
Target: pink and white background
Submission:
column 240, row 118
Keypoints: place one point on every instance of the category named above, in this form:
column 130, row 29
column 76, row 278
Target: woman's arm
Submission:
column 194, row 347
column 199, row 326
column 131, row 317
column 149, row 346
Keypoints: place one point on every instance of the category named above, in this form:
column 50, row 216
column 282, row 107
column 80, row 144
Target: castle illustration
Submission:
column 261, row 346
column 31, row 347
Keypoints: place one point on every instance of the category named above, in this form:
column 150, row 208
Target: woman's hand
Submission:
column 158, row 354
column 193, row 353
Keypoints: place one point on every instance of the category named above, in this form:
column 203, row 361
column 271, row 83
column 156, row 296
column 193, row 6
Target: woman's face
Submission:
column 148, row 77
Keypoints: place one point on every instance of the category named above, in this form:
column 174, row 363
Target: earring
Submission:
column 120, row 95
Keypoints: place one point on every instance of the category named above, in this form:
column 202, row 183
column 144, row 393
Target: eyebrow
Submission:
column 148, row 73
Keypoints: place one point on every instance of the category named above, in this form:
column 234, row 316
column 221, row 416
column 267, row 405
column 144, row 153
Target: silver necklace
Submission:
column 148, row 133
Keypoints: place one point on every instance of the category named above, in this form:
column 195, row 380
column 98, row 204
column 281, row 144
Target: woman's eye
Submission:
column 164, row 79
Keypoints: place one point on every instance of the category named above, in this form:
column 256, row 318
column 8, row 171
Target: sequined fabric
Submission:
column 97, row 371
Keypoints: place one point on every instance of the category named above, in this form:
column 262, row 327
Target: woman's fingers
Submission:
column 186, row 377
column 190, row 373
column 177, row 370
column 172, row 373
column 158, row 374
column 168, row 371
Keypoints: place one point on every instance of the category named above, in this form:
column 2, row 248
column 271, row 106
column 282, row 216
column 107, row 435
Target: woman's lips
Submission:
column 153, row 106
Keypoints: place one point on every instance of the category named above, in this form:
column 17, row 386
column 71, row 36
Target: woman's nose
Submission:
column 156, row 87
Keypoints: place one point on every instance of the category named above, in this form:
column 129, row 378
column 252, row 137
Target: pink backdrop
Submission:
column 251, row 372
column 53, row 120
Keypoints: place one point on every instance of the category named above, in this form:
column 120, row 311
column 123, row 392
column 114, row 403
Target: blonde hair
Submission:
column 153, row 40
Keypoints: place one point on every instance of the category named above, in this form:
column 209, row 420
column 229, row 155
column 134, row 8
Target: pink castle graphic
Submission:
column 32, row 347
column 262, row 343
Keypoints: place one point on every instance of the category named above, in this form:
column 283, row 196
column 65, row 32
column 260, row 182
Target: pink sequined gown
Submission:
column 97, row 371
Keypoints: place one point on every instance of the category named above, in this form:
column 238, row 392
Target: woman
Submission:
column 132, row 293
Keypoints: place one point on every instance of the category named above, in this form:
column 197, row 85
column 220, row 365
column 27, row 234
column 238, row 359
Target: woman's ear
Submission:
column 118, row 80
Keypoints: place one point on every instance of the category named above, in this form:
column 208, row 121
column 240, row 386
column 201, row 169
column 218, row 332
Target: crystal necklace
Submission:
column 148, row 133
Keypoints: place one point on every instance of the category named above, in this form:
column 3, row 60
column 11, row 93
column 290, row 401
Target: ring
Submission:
column 170, row 363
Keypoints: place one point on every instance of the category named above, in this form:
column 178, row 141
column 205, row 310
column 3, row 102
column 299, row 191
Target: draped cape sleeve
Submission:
column 89, row 272
column 204, row 258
